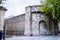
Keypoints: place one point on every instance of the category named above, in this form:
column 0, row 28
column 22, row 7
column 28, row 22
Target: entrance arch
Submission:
column 42, row 27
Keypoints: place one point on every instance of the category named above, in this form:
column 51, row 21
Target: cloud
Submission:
column 17, row 7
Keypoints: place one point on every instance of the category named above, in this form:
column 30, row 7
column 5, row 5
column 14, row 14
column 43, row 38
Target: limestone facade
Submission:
column 15, row 25
column 35, row 22
column 2, row 13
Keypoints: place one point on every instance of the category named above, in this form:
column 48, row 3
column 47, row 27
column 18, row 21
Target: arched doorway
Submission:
column 42, row 27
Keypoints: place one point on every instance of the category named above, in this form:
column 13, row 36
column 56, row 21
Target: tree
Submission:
column 52, row 9
column 0, row 2
column 0, row 5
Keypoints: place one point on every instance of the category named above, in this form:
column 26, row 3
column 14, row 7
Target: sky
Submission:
column 17, row 7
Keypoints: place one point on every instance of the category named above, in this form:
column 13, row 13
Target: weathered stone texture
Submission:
column 33, row 23
column 16, row 25
column 32, row 18
column 59, row 26
column 27, row 21
column 1, row 19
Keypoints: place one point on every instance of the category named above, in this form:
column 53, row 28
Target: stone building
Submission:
column 37, row 23
column 15, row 25
column 33, row 22
column 2, row 13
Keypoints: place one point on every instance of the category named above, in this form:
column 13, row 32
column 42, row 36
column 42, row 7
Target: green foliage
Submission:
column 0, row 1
column 50, row 6
column 46, row 9
column 0, row 4
column 52, row 2
column 58, row 15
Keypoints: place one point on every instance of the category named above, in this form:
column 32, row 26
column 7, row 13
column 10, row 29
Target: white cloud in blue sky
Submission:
column 17, row 7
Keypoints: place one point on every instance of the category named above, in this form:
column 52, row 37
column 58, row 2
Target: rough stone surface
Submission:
column 32, row 19
column 59, row 26
column 1, row 19
column 32, row 23
column 15, row 25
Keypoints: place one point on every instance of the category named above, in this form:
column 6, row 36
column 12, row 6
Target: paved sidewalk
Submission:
column 34, row 38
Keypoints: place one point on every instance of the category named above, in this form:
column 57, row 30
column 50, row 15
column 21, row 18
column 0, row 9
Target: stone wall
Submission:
column 37, row 28
column 32, row 23
column 32, row 18
column 15, row 25
column 59, row 26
